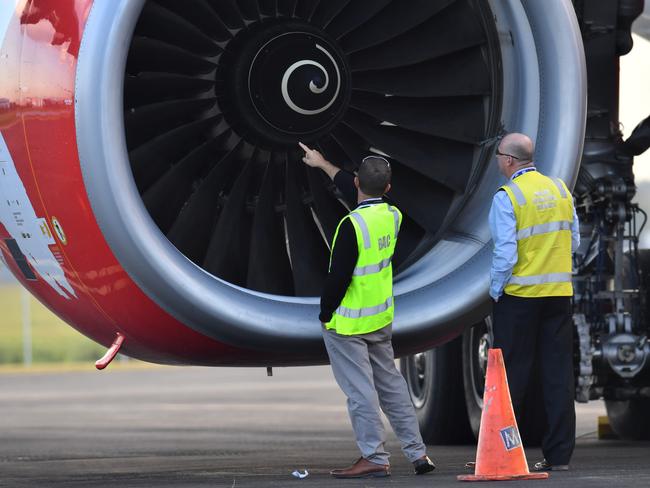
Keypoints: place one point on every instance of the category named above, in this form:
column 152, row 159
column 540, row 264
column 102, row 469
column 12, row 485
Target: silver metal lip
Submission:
column 437, row 297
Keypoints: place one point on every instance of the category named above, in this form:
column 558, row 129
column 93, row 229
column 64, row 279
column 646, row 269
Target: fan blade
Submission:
column 250, row 9
column 287, row 7
column 306, row 8
column 393, row 21
column 150, row 88
column 329, row 210
column 269, row 269
column 424, row 202
column 334, row 153
column 228, row 12
column 152, row 55
column 308, row 252
column 332, row 149
column 355, row 15
column 453, row 30
column 157, row 22
column 327, row 10
column 354, row 146
column 461, row 74
column 151, row 160
column 201, row 15
column 444, row 161
column 410, row 235
column 228, row 252
column 456, row 118
column 144, row 123
column 193, row 227
column 165, row 199
column 269, row 8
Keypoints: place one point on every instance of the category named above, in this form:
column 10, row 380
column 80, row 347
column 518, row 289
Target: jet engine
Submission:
column 166, row 147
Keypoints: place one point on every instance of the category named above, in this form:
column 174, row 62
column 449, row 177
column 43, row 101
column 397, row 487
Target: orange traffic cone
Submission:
column 500, row 454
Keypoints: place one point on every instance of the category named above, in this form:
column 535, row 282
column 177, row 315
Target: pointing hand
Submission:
column 312, row 157
column 316, row 160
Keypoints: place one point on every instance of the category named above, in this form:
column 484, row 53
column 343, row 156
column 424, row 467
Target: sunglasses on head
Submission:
column 376, row 157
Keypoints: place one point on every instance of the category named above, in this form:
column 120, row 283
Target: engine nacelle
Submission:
column 153, row 187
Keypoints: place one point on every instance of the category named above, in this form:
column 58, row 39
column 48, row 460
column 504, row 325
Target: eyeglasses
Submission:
column 499, row 153
column 376, row 157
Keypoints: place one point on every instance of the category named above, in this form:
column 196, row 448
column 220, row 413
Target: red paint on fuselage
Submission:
column 40, row 47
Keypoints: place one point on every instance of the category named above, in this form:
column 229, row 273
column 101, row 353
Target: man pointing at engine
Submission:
column 357, row 314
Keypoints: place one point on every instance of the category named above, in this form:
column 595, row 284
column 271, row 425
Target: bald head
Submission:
column 520, row 146
column 515, row 151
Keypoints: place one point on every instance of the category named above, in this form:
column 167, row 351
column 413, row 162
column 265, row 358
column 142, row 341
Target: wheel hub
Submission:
column 420, row 367
column 483, row 346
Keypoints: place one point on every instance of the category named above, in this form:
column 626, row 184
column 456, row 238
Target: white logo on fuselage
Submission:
column 19, row 218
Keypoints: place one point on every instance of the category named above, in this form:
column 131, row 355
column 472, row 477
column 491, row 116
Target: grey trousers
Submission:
column 364, row 368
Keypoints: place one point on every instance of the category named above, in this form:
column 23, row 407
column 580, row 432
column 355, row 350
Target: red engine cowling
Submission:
column 151, row 186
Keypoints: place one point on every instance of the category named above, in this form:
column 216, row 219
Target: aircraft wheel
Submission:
column 436, row 386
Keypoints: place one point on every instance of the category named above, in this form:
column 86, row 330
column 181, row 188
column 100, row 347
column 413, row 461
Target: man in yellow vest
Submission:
column 535, row 228
column 357, row 314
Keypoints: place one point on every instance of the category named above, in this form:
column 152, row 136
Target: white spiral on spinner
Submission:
column 312, row 86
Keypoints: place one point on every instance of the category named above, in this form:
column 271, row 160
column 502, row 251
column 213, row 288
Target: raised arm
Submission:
column 315, row 159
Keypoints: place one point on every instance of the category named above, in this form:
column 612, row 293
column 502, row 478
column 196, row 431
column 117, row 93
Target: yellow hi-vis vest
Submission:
column 368, row 302
column 543, row 209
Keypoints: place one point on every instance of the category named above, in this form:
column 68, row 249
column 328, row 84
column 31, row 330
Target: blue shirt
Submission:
column 503, row 226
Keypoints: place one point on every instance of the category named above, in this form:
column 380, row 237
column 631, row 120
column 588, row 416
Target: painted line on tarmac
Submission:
column 58, row 368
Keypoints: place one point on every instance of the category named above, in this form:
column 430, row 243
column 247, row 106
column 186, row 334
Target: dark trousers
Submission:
column 527, row 329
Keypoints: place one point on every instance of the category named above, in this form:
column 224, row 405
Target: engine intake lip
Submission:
column 438, row 295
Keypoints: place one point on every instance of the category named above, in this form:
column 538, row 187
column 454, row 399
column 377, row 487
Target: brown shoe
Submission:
column 363, row 468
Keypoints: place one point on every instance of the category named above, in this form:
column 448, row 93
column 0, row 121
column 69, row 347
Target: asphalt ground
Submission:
column 200, row 427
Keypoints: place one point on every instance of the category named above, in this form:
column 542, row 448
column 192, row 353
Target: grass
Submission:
column 53, row 341
column 7, row 119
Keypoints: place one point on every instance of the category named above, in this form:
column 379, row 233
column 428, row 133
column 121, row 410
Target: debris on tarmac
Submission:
column 300, row 475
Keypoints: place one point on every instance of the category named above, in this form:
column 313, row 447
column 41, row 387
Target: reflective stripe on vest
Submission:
column 544, row 228
column 540, row 279
column 357, row 313
column 372, row 268
column 560, row 187
column 396, row 218
column 519, row 195
column 364, row 229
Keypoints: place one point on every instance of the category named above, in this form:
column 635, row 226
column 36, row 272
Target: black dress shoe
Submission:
column 544, row 465
column 423, row 465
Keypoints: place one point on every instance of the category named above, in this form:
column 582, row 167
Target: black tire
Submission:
column 476, row 341
column 436, row 385
column 630, row 419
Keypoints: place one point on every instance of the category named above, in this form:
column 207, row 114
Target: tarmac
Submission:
column 201, row 427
